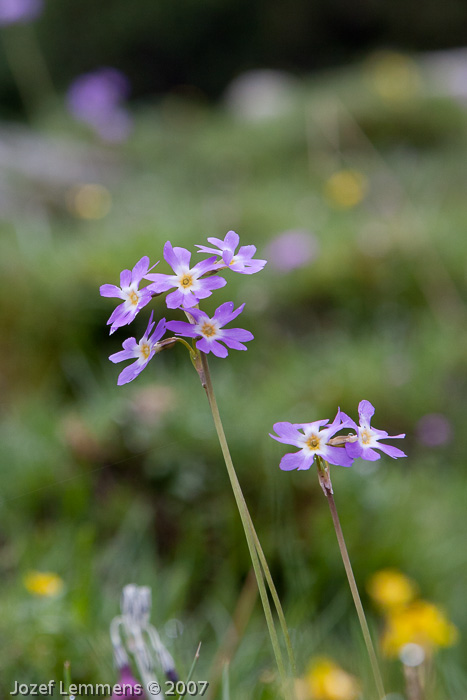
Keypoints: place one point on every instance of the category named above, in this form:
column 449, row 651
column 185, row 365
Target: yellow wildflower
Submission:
column 327, row 681
column 346, row 188
column 390, row 588
column 43, row 583
column 419, row 623
column 393, row 76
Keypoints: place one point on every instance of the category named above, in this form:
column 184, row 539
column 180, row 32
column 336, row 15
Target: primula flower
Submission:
column 142, row 352
column 241, row 262
column 367, row 440
column 211, row 330
column 189, row 287
column 312, row 442
column 133, row 298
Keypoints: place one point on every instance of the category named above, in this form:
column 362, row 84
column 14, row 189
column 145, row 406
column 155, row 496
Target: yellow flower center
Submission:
column 208, row 330
column 145, row 350
column 186, row 281
column 366, row 437
column 133, row 298
column 313, row 442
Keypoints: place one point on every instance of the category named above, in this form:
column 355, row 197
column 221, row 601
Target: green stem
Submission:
column 244, row 514
column 355, row 593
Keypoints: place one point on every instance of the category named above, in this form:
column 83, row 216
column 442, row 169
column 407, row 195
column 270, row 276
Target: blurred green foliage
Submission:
column 106, row 485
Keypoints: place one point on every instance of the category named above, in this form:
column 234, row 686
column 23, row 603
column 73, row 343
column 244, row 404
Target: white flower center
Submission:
column 144, row 351
column 365, row 436
column 185, row 281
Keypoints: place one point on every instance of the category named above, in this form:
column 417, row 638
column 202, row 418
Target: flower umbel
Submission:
column 312, row 439
column 142, row 352
column 367, row 440
column 242, row 261
column 211, row 331
column 134, row 299
column 189, row 288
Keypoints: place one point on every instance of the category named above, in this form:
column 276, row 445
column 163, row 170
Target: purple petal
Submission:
column 227, row 256
column 125, row 278
column 212, row 283
column 296, row 460
column 130, row 373
column 246, row 252
column 212, row 346
column 233, row 334
column 347, row 420
column 369, row 454
column 252, row 267
column 183, row 256
column 110, row 290
column 225, row 313
column 160, row 283
column 140, row 269
column 231, row 240
column 159, row 332
column 393, row 452
column 337, row 455
column 365, row 412
column 183, row 328
column 189, row 300
column 205, row 266
column 175, row 299
column 205, row 249
column 130, row 344
column 217, row 242
column 287, row 433
column 198, row 315
column 171, row 258
column 353, row 449
column 122, row 355
column 233, row 344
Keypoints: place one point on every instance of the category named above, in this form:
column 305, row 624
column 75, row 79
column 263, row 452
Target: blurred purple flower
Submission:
column 141, row 352
column 211, row 330
column 433, row 430
column 17, row 11
column 127, row 686
column 96, row 98
column 312, row 442
column 292, row 249
column 368, row 438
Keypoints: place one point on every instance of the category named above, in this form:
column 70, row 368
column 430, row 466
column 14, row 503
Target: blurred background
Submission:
column 334, row 138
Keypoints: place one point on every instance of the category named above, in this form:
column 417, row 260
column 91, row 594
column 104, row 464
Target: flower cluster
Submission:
column 317, row 440
column 190, row 285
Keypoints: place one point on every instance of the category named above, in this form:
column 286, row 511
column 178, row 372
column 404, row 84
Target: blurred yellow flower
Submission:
column 419, row 623
column 43, row 583
column 89, row 201
column 390, row 588
column 346, row 188
column 393, row 76
column 327, row 681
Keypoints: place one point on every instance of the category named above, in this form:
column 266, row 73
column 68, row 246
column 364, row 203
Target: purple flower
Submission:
column 189, row 287
column 19, row 11
column 211, row 330
column 367, row 439
column 142, row 352
column 292, row 249
column 133, row 298
column 95, row 98
column 242, row 261
column 434, row 430
column 312, row 439
column 127, row 686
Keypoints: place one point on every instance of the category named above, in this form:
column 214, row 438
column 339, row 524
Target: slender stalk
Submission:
column 205, row 377
column 355, row 593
